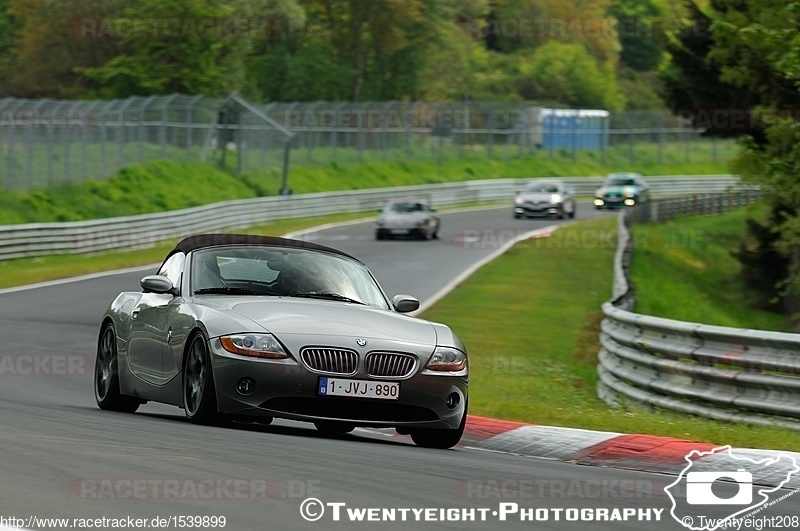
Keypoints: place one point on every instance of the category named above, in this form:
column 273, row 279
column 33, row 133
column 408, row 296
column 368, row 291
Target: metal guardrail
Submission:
column 724, row 373
column 141, row 231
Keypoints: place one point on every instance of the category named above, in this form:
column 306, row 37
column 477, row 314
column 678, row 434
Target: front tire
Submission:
column 106, row 375
column 439, row 439
column 199, row 393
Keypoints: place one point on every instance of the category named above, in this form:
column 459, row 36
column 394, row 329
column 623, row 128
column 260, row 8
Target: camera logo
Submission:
column 719, row 487
column 699, row 488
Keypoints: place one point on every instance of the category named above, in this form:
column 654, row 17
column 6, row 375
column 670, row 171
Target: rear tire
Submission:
column 572, row 213
column 439, row 439
column 106, row 375
column 198, row 390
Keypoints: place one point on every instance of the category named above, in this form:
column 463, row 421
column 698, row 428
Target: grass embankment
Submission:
column 170, row 185
column 531, row 321
column 685, row 270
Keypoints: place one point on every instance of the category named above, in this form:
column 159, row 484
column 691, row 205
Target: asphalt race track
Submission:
column 65, row 458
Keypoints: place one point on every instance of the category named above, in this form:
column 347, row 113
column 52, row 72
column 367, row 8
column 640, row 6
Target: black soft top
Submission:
column 203, row 241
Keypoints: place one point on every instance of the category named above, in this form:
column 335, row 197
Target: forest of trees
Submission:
column 589, row 53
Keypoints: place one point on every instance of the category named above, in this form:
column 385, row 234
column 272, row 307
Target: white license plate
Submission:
column 359, row 388
column 399, row 231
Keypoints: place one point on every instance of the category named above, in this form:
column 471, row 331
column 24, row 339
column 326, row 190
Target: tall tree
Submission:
column 693, row 81
column 757, row 45
column 526, row 24
column 641, row 33
column 365, row 34
column 177, row 53
column 50, row 44
column 567, row 73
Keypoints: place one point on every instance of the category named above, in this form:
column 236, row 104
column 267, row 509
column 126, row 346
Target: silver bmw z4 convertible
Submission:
column 248, row 328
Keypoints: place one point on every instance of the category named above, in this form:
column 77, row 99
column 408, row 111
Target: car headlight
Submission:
column 423, row 222
column 256, row 345
column 380, row 222
column 629, row 192
column 555, row 199
column 447, row 359
column 600, row 192
column 519, row 200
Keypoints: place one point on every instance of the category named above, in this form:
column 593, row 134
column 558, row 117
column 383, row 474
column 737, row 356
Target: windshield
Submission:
column 621, row 182
column 283, row 272
column 405, row 208
column 541, row 189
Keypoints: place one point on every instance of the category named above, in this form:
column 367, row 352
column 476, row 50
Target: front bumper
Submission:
column 287, row 389
column 615, row 201
column 542, row 210
column 402, row 232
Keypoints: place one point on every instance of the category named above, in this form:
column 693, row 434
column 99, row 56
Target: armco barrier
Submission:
column 719, row 372
column 37, row 239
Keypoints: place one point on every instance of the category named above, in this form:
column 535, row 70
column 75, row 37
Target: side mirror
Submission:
column 157, row 284
column 405, row 303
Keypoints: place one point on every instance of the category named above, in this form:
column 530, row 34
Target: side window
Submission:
column 173, row 268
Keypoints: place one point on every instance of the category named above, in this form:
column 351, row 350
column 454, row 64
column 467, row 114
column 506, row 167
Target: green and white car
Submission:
column 620, row 190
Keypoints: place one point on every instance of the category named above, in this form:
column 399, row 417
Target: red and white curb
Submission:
column 648, row 453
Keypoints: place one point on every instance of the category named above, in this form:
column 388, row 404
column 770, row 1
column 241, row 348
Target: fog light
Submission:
column 246, row 386
column 599, row 202
column 452, row 400
column 630, row 202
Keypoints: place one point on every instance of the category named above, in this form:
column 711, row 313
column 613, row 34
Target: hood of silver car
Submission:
column 287, row 315
column 537, row 197
column 410, row 217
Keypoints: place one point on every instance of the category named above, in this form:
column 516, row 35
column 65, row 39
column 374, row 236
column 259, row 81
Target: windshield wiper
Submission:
column 228, row 290
column 327, row 296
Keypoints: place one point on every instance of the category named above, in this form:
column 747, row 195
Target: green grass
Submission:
column 531, row 322
column 171, row 185
column 685, row 270
column 372, row 172
column 155, row 187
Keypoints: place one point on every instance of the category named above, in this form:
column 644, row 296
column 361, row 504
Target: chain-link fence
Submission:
column 47, row 142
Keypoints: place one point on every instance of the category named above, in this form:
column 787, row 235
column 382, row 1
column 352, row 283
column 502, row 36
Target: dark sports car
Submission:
column 247, row 328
